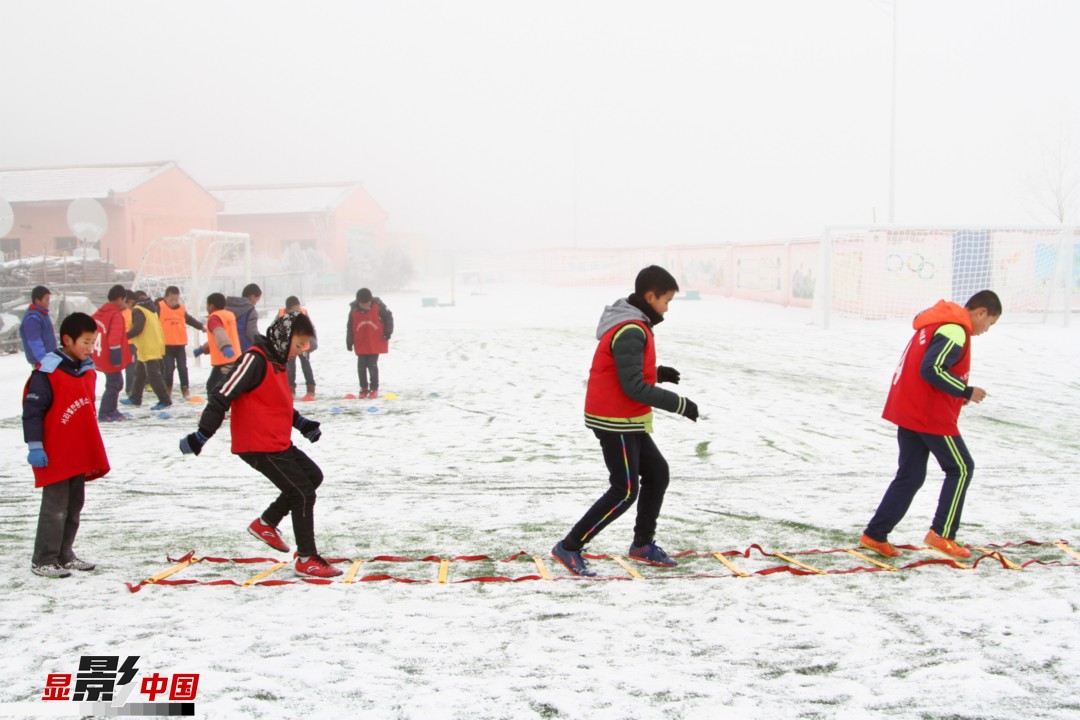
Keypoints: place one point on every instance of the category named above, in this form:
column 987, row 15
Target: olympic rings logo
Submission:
column 914, row 266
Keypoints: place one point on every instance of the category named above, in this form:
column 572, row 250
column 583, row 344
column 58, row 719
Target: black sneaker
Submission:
column 652, row 554
column 572, row 560
column 50, row 571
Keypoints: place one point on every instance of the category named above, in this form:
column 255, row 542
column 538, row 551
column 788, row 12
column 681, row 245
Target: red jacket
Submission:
column 262, row 418
column 112, row 331
column 72, row 440
column 368, row 331
column 604, row 396
column 915, row 404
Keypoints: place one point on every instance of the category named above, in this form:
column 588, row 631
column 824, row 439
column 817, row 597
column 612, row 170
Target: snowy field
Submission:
column 790, row 453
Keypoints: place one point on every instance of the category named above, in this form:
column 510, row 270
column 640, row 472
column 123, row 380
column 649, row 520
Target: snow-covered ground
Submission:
column 790, row 453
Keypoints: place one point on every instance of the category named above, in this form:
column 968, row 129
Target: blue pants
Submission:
column 915, row 449
column 110, row 396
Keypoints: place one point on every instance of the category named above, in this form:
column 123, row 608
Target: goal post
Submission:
column 887, row 271
column 196, row 263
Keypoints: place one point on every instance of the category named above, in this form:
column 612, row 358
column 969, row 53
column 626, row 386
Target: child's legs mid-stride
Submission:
column 175, row 358
column 953, row 457
column 915, row 449
column 58, row 521
column 637, row 472
column 297, row 476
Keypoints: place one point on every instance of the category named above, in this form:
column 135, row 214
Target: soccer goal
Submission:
column 885, row 271
column 199, row 263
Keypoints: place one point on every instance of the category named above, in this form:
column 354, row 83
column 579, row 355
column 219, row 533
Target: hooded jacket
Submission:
column 112, row 353
column 37, row 333
column 930, row 383
column 247, row 320
column 368, row 331
column 622, row 380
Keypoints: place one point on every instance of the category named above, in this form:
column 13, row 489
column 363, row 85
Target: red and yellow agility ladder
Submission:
column 542, row 573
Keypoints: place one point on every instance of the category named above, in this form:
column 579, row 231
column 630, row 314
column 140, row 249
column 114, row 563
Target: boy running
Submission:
column 257, row 393
column 618, row 408
column 928, row 389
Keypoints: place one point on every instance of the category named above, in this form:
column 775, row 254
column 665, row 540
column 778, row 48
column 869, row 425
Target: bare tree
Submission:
column 1055, row 185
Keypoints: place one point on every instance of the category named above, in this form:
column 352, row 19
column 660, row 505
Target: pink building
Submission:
column 143, row 201
column 341, row 220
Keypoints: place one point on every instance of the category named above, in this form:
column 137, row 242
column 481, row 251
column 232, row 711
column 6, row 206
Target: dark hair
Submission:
column 39, row 292
column 76, row 325
column 172, row 290
column 141, row 295
column 654, row 279
column 301, row 325
column 363, row 295
column 116, row 292
column 986, row 299
column 130, row 295
column 292, row 301
column 252, row 289
column 216, row 301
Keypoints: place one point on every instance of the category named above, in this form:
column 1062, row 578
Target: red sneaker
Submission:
column 945, row 545
column 268, row 534
column 316, row 567
column 363, row 394
column 373, row 394
column 307, row 398
column 878, row 546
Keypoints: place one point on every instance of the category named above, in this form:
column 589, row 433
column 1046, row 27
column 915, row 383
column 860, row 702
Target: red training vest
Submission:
column 112, row 330
column 367, row 330
column 604, row 396
column 72, row 439
column 262, row 418
column 915, row 404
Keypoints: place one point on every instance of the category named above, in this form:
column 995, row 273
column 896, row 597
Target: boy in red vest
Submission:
column 257, row 393
column 111, row 352
column 618, row 408
column 65, row 445
column 368, row 334
column 929, row 387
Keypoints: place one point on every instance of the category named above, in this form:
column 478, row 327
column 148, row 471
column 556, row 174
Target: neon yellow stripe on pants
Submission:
column 947, row 531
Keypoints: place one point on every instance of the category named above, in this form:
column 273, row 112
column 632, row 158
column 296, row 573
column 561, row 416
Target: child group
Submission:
column 928, row 389
column 251, row 374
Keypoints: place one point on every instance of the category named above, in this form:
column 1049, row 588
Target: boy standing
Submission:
column 368, row 334
column 174, row 323
column 618, row 408
column 261, row 425
column 247, row 317
column 36, row 329
column 222, row 341
column 65, row 444
column 111, row 352
column 928, row 389
column 292, row 304
column 149, row 341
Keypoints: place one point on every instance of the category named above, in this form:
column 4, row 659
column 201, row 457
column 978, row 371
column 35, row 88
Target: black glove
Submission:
column 690, row 411
column 193, row 443
column 386, row 338
column 667, row 374
column 308, row 428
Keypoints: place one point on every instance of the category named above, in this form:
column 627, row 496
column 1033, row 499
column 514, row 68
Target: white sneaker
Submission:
column 77, row 564
column 50, row 571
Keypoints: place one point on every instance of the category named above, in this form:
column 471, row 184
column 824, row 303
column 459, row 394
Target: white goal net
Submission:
column 199, row 263
column 896, row 271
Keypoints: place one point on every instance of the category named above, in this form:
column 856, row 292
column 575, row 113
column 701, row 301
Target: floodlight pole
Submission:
column 892, row 122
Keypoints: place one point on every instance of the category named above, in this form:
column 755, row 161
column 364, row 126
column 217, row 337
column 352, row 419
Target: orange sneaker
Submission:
column 945, row 545
column 881, row 547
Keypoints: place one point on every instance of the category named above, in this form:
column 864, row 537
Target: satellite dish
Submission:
column 7, row 217
column 88, row 221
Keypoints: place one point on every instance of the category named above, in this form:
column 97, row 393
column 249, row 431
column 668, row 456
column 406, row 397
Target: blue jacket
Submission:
column 37, row 334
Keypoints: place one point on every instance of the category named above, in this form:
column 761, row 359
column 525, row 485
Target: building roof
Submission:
column 70, row 183
column 283, row 199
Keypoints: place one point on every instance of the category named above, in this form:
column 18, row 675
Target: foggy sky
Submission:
column 555, row 123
